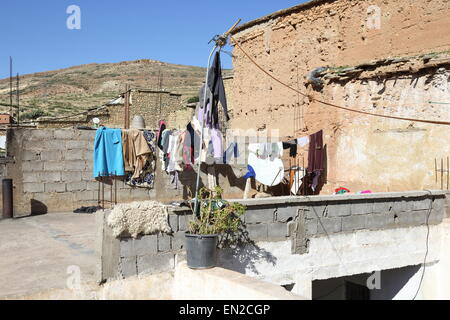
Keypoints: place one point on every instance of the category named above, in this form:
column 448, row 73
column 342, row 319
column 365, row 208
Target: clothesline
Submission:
column 125, row 153
column 331, row 104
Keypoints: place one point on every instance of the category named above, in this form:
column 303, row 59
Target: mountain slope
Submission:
column 78, row 88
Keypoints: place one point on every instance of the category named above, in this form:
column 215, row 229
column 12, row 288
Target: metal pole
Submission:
column 10, row 86
column 18, row 99
column 448, row 171
column 126, row 124
column 203, row 126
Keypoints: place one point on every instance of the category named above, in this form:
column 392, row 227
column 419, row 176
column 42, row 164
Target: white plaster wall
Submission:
column 344, row 255
column 437, row 277
column 221, row 284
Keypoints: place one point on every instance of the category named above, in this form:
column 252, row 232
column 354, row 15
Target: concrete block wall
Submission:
column 153, row 253
column 52, row 172
column 288, row 218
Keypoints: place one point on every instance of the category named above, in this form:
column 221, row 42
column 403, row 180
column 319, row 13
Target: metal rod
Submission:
column 290, row 176
column 10, row 85
column 304, row 175
column 219, row 43
column 126, row 108
column 103, row 193
column 448, row 171
column 435, row 170
column 18, row 99
column 442, row 174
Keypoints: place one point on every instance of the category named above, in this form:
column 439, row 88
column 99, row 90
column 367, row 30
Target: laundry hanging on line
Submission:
column 129, row 154
column 265, row 158
column 215, row 93
column 108, row 154
column 144, row 175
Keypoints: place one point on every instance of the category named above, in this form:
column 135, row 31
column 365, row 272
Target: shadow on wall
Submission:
column 394, row 284
column 38, row 208
column 188, row 179
column 241, row 254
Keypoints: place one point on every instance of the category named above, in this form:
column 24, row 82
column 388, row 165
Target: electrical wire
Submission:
column 427, row 245
column 447, row 123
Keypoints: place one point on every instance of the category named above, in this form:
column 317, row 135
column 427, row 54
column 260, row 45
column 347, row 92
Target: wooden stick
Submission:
column 248, row 186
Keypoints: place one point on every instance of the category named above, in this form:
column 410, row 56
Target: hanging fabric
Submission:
column 146, row 178
column 136, row 151
column 232, row 151
column 108, row 154
column 162, row 127
column 315, row 158
column 215, row 93
column 265, row 159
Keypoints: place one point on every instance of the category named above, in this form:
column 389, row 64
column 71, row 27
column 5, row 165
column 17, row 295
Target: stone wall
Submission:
column 144, row 102
column 363, row 152
column 297, row 220
column 154, row 106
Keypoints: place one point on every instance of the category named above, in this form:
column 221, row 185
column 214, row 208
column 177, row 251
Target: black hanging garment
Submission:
column 217, row 88
column 292, row 146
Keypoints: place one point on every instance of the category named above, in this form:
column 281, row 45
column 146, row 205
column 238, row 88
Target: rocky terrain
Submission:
column 78, row 88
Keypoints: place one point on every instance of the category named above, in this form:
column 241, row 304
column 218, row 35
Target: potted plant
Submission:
column 215, row 217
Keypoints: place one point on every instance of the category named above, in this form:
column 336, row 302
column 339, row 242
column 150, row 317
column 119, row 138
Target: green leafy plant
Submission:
column 33, row 115
column 193, row 99
column 215, row 216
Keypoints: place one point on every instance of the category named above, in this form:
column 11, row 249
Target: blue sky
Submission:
column 35, row 32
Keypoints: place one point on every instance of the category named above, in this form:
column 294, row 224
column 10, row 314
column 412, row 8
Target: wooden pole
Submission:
column 127, row 107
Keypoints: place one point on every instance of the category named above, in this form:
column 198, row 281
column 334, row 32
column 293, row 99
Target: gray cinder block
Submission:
column 329, row 225
column 358, row 208
column 352, row 223
column 164, row 243
column 277, row 231
column 257, row 231
column 128, row 267
column 255, row 215
column 155, row 263
column 146, row 245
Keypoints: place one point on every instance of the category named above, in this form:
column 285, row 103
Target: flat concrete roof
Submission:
column 300, row 7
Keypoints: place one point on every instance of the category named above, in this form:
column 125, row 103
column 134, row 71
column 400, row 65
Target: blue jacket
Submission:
column 108, row 154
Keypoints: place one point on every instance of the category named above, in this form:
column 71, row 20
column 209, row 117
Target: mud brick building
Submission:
column 384, row 57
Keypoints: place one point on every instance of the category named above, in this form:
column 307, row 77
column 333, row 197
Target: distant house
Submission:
column 5, row 118
column 152, row 105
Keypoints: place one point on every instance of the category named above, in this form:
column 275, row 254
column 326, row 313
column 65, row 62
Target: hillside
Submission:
column 78, row 88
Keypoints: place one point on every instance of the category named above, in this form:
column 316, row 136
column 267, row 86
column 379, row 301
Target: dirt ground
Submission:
column 36, row 252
